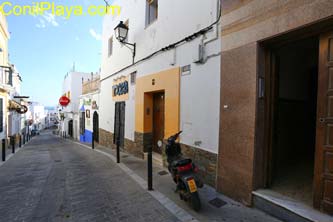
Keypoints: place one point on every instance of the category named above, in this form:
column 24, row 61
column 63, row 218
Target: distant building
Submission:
column 89, row 108
column 52, row 119
column 36, row 115
column 5, row 76
column 69, row 115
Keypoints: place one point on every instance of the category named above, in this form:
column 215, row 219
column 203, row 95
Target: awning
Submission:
column 13, row 105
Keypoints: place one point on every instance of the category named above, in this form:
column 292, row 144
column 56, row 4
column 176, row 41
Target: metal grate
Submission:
column 162, row 173
column 217, row 202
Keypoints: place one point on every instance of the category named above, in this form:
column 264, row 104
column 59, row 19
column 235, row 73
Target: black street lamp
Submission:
column 121, row 32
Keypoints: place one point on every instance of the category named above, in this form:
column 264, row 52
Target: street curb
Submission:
column 18, row 149
column 10, row 156
column 171, row 206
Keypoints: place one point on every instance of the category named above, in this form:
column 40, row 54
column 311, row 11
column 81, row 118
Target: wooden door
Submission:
column 323, row 178
column 119, row 123
column 158, row 120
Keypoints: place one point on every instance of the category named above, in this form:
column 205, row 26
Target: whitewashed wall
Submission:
column 73, row 83
column 94, row 97
column 200, row 91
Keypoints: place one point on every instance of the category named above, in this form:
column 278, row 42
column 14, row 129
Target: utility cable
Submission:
column 171, row 46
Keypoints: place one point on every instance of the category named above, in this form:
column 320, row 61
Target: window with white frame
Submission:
column 133, row 78
column 110, row 46
column 152, row 11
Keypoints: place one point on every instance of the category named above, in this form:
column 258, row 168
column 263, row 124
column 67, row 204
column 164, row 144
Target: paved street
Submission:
column 51, row 179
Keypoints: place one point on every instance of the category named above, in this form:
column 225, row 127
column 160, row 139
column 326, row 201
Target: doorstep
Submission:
column 285, row 208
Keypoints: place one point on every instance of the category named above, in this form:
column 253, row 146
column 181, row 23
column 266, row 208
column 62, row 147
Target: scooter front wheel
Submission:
column 195, row 201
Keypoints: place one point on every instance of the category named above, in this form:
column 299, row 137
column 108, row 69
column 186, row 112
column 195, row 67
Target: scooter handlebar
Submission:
column 174, row 137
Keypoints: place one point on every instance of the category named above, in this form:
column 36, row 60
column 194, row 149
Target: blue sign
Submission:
column 120, row 89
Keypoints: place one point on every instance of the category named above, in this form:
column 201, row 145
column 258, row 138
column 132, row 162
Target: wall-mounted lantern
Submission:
column 121, row 32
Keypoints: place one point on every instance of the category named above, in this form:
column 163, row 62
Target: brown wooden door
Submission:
column 323, row 178
column 158, row 120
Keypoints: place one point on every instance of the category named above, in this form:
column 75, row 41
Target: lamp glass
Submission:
column 121, row 31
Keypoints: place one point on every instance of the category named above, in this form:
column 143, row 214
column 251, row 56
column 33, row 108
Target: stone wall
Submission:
column 105, row 138
column 205, row 161
column 130, row 147
column 143, row 141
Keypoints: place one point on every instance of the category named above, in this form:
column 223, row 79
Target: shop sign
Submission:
column 120, row 88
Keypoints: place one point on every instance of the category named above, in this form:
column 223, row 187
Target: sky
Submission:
column 44, row 48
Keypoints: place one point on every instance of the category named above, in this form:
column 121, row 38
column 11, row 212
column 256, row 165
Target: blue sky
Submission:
column 43, row 48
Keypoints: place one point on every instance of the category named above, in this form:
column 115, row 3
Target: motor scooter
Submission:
column 184, row 173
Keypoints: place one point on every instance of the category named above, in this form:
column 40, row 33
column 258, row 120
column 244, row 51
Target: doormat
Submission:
column 217, row 202
column 162, row 173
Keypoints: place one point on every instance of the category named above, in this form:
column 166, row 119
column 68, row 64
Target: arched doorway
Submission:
column 96, row 127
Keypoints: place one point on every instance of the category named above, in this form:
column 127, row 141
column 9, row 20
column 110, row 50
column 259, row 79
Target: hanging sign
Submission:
column 64, row 101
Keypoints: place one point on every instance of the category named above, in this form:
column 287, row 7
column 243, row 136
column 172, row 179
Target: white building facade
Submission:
column 173, row 85
column 72, row 88
column 15, row 126
column 89, row 110
column 36, row 116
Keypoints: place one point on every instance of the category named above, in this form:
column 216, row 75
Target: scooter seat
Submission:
column 181, row 162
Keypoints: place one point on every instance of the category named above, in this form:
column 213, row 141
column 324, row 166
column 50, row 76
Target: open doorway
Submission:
column 294, row 119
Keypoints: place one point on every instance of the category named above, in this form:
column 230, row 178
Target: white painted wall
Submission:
column 200, row 91
column 73, row 83
column 15, row 118
column 93, row 97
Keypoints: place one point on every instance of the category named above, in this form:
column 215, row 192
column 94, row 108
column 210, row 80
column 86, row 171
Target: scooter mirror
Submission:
column 159, row 143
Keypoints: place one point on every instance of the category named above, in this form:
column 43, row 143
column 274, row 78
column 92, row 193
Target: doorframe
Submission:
column 265, row 106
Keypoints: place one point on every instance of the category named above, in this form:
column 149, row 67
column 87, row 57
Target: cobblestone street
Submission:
column 51, row 180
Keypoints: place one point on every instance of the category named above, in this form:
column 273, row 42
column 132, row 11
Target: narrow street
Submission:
column 53, row 180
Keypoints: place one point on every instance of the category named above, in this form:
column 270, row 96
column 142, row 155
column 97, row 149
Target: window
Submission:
column 133, row 78
column 152, row 11
column 1, row 115
column 110, row 47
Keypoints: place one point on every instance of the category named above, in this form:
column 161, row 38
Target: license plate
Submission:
column 192, row 185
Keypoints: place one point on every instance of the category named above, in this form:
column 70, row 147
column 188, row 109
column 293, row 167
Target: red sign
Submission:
column 64, row 101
